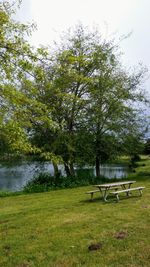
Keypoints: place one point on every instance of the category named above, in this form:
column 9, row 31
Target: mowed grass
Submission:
column 55, row 229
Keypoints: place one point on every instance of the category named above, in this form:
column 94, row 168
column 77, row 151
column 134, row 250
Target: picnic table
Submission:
column 105, row 189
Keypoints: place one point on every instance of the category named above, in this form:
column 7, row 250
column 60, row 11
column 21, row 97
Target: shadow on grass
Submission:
column 95, row 200
column 111, row 200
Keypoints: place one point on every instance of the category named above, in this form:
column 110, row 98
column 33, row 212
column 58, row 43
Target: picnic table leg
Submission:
column 117, row 196
column 92, row 196
column 101, row 192
column 140, row 191
column 105, row 194
column 124, row 187
column 129, row 193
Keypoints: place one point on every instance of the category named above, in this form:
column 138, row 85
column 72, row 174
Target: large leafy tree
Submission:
column 72, row 104
column 92, row 98
column 111, row 111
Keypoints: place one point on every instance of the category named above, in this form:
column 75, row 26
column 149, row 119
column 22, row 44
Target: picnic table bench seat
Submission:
column 92, row 192
column 116, row 193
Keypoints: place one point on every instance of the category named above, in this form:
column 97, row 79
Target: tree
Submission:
column 110, row 112
column 72, row 104
column 19, row 107
column 70, row 76
column 12, row 51
column 93, row 92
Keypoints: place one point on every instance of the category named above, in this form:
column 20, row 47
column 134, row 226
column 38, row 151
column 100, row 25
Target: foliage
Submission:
column 147, row 147
column 15, row 50
column 19, row 108
column 45, row 182
column 66, row 104
column 91, row 97
column 132, row 145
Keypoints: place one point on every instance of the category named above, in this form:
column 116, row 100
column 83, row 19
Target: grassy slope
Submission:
column 54, row 229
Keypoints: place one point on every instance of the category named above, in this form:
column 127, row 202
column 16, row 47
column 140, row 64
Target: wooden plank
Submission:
column 114, row 184
column 90, row 192
column 127, row 190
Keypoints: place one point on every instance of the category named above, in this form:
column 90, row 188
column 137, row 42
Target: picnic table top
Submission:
column 114, row 184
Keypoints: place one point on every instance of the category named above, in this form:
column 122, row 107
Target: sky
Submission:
column 113, row 18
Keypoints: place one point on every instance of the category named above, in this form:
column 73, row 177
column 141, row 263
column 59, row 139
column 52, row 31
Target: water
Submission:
column 113, row 171
column 13, row 178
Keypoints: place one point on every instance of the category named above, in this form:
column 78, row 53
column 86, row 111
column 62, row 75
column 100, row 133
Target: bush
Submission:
column 45, row 182
column 40, row 183
column 135, row 158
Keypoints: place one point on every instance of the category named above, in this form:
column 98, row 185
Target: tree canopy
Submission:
column 76, row 104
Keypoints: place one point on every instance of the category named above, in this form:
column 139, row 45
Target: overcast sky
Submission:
column 112, row 17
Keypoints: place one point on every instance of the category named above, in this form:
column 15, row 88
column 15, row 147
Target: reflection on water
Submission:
column 113, row 171
column 13, row 178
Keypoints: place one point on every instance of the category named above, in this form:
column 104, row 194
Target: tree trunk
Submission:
column 72, row 171
column 56, row 171
column 97, row 164
column 67, row 170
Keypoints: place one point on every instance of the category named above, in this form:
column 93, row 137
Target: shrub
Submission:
column 45, row 182
column 40, row 183
column 135, row 158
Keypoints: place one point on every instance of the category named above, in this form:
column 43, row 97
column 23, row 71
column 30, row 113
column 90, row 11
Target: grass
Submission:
column 55, row 229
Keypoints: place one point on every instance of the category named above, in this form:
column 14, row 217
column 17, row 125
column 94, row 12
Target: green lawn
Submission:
column 55, row 229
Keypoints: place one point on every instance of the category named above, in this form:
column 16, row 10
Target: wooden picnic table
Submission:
column 105, row 188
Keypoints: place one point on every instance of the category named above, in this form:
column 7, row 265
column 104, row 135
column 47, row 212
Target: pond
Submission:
column 14, row 177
